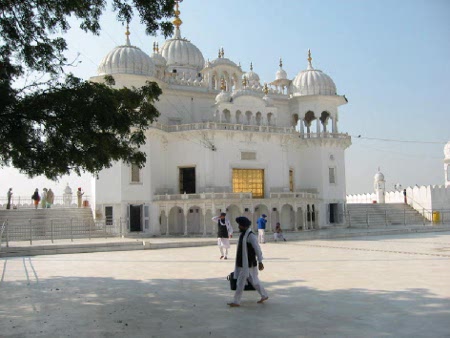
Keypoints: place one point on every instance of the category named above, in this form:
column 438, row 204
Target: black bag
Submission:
column 233, row 283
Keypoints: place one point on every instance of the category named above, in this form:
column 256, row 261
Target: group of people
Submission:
column 46, row 199
column 248, row 257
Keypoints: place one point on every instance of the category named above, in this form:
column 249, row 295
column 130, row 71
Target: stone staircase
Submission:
column 381, row 215
column 40, row 224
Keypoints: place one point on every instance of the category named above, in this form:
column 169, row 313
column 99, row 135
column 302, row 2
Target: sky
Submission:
column 391, row 59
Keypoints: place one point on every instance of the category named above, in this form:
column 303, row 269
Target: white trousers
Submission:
column 261, row 236
column 252, row 279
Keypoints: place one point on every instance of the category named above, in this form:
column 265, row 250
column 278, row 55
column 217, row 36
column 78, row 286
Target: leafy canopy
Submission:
column 59, row 123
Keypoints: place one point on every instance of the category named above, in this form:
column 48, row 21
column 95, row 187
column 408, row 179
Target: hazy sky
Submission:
column 390, row 58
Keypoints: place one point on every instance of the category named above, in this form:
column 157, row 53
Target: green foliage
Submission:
column 61, row 123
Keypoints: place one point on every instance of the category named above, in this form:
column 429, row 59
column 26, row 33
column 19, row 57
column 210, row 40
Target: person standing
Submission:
column 404, row 196
column 36, row 198
column 79, row 196
column 248, row 261
column 262, row 228
column 9, row 196
column 50, row 198
column 224, row 233
column 44, row 198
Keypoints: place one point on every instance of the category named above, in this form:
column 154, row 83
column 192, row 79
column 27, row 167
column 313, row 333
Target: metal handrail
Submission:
column 3, row 228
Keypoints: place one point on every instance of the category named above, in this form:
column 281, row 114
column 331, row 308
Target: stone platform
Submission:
column 369, row 286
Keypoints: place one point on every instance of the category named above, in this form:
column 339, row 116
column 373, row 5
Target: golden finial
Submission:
column 177, row 21
column 154, row 47
column 251, row 65
column 223, row 53
column 127, row 33
column 309, row 57
column 220, row 53
column 266, row 89
column 244, row 81
column 281, row 63
column 157, row 47
column 222, row 84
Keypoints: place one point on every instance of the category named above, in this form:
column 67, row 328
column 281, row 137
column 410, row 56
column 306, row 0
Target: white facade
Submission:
column 216, row 119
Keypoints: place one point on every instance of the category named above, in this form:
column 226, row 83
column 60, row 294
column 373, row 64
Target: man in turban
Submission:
column 248, row 261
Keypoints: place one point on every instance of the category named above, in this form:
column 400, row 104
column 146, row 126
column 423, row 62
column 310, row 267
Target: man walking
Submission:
column 246, row 268
column 262, row 228
column 224, row 233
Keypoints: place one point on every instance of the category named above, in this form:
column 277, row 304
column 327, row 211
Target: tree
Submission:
column 60, row 123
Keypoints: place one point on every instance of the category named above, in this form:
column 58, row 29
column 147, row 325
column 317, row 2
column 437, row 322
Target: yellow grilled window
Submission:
column 249, row 180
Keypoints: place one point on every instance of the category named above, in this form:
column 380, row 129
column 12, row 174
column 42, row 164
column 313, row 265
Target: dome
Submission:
column 156, row 57
column 447, row 150
column 252, row 77
column 182, row 53
column 281, row 73
column 126, row 59
column 158, row 60
column 223, row 97
column 379, row 176
column 313, row 82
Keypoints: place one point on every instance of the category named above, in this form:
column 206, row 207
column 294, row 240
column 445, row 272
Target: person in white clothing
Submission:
column 248, row 261
column 224, row 233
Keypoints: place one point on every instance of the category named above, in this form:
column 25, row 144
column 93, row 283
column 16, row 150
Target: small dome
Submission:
column 447, row 150
column 223, row 97
column 268, row 100
column 379, row 176
column 281, row 73
column 158, row 60
column 252, row 77
column 182, row 53
column 126, row 59
column 313, row 82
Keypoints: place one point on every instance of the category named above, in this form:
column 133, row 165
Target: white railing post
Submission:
column 404, row 216
column 7, row 234
column 51, row 230
column 367, row 218
column 31, row 232
column 385, row 218
column 89, row 225
column 71, row 229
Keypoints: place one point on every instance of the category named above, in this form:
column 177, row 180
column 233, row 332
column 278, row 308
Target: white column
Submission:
column 302, row 127
column 334, row 125
column 318, row 126
column 186, row 213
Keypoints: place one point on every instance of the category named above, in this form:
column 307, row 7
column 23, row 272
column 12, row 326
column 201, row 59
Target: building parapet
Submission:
column 244, row 127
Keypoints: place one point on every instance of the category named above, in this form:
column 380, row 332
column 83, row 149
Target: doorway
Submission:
column 187, row 180
column 333, row 212
column 135, row 218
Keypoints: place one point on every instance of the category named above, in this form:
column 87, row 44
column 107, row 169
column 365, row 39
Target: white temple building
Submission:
column 226, row 142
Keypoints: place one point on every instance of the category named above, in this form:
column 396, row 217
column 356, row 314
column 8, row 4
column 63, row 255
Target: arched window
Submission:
column 258, row 118
column 248, row 117
column 269, row 119
column 324, row 118
column 309, row 117
column 238, row 117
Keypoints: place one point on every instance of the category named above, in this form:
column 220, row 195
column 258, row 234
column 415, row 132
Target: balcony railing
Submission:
column 244, row 127
column 305, row 195
column 203, row 196
column 231, row 195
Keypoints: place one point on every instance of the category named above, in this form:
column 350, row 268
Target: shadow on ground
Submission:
column 107, row 307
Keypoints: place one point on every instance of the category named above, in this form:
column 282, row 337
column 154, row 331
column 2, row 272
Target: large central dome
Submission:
column 181, row 53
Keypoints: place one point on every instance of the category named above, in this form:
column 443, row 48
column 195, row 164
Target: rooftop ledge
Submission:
column 244, row 127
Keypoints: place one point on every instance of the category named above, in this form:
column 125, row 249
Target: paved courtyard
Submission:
column 385, row 286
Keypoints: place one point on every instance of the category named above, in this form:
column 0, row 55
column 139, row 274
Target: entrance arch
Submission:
column 176, row 221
